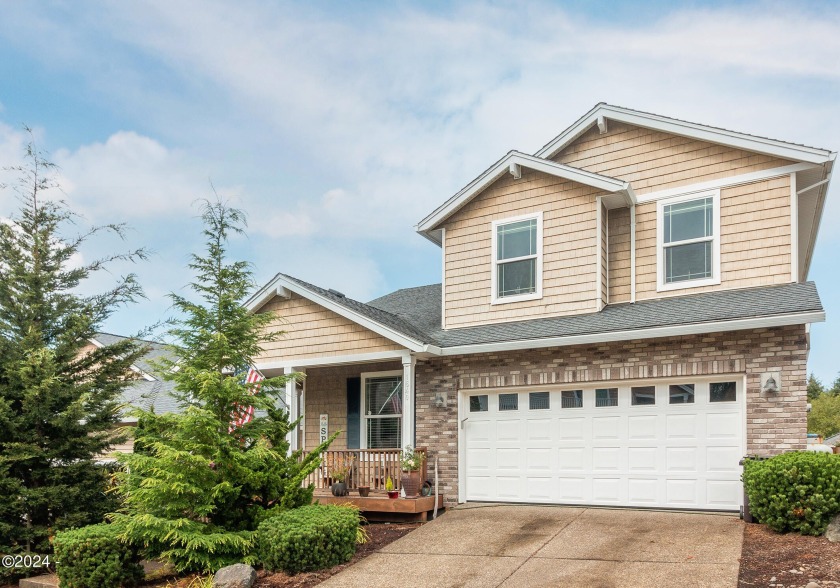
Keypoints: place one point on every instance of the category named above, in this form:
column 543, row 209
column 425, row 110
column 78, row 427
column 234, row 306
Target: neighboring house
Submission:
column 623, row 316
column 832, row 441
column 148, row 391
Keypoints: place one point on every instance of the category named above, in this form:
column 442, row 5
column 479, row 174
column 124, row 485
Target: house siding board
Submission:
column 569, row 248
column 605, row 262
column 755, row 239
column 775, row 423
column 618, row 255
column 311, row 331
column 326, row 393
column 652, row 160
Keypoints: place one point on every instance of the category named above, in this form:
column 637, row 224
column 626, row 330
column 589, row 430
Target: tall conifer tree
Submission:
column 58, row 394
column 197, row 491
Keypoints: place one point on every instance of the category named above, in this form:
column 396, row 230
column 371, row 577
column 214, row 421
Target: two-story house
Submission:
column 622, row 317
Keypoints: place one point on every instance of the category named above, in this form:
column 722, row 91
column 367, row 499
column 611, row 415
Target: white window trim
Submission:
column 494, row 276
column 363, row 412
column 714, row 280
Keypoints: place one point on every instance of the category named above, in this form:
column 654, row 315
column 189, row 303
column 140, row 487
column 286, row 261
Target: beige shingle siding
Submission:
column 619, row 255
column 651, row 160
column 754, row 241
column 569, row 248
column 314, row 331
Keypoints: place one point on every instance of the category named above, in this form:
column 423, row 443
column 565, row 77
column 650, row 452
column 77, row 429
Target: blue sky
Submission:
column 338, row 126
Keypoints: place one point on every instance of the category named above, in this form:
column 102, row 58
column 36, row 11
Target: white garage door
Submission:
column 675, row 444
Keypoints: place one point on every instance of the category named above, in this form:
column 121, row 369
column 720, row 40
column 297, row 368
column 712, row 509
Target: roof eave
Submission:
column 648, row 333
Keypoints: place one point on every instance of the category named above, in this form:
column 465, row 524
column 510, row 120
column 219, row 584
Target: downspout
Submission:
column 633, row 253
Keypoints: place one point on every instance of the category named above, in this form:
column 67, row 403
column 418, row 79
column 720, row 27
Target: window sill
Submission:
column 518, row 298
column 687, row 284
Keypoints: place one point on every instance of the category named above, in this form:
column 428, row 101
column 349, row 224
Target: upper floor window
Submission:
column 517, row 259
column 688, row 252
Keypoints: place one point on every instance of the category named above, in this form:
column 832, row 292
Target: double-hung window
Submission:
column 688, row 248
column 382, row 422
column 517, row 259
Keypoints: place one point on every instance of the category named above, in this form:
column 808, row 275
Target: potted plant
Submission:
column 339, row 468
column 389, row 488
column 411, row 462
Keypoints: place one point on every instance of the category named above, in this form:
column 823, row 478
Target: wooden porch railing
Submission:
column 366, row 467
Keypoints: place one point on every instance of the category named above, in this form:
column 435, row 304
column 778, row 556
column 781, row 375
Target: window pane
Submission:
column 641, row 395
column 688, row 220
column 571, row 398
column 508, row 401
column 722, row 392
column 688, row 262
column 681, row 394
column 384, row 433
column 517, row 277
column 538, row 400
column 383, row 395
column 478, row 403
column 517, row 239
column 606, row 397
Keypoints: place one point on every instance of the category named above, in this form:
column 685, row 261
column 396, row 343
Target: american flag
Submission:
column 244, row 414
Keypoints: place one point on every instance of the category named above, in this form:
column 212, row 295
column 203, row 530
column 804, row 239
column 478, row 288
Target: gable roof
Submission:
column 511, row 163
column 379, row 321
column 604, row 111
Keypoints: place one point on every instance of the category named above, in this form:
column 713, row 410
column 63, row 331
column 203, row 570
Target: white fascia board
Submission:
column 265, row 294
column 686, row 129
column 280, row 281
column 502, row 167
column 146, row 376
column 670, row 331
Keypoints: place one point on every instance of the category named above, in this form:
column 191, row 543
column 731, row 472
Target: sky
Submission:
column 337, row 126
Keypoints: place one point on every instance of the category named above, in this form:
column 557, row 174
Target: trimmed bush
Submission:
column 93, row 557
column 308, row 538
column 798, row 491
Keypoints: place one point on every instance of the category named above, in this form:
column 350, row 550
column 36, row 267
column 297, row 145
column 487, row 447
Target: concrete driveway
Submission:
column 514, row 546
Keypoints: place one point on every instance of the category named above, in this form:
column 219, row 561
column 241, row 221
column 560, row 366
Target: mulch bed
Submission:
column 381, row 534
column 787, row 560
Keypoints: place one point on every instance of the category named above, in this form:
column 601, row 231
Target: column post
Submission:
column 408, row 363
column 292, row 405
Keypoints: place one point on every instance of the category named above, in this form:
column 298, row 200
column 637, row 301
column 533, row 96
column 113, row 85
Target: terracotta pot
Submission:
column 411, row 484
column 339, row 489
column 836, row 449
column 393, row 493
column 364, row 490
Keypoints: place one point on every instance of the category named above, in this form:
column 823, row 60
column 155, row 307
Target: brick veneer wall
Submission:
column 775, row 423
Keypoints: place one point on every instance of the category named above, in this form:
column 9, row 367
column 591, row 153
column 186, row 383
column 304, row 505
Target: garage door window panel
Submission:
column 606, row 397
column 643, row 395
column 478, row 403
column 722, row 392
column 508, row 402
column 681, row 394
column 539, row 401
column 571, row 399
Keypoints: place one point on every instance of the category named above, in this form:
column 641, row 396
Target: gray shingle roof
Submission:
column 143, row 393
column 421, row 307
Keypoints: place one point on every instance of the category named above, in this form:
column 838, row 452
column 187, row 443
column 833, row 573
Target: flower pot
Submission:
column 339, row 489
column 836, row 449
column 393, row 493
column 411, row 483
column 364, row 490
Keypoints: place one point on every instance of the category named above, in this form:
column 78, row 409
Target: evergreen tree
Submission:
column 196, row 492
column 815, row 387
column 58, row 398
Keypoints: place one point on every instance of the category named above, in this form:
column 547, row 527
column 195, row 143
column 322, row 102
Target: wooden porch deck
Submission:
column 378, row 507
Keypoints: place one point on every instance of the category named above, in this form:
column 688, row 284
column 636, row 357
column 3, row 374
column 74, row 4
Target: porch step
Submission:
column 378, row 507
column 44, row 581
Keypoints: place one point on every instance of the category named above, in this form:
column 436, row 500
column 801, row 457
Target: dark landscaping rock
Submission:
column 235, row 576
column 832, row 533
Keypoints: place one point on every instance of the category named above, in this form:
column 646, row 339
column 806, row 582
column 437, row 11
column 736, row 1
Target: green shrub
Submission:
column 797, row 491
column 93, row 557
column 309, row 538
